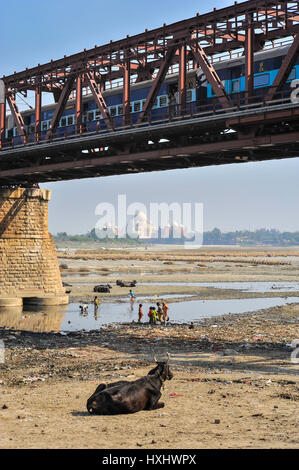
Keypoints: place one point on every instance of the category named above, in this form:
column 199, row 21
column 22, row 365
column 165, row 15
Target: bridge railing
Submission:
column 206, row 110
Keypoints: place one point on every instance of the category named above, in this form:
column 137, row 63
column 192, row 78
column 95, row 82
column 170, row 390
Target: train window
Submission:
column 292, row 75
column 189, row 96
column 90, row 116
column 235, row 86
column 113, row 111
column 120, row 110
column 44, row 125
column 163, row 101
column 70, row 120
column 262, row 80
column 136, row 106
column 236, row 72
column 27, row 120
column 131, row 108
column 63, row 122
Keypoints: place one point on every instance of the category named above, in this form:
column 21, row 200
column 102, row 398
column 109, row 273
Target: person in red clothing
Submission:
column 140, row 313
column 150, row 315
column 165, row 312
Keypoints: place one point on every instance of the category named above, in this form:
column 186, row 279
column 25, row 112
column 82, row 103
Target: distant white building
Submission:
column 139, row 227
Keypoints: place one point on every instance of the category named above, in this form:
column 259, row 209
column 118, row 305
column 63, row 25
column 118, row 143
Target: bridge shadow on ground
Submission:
column 261, row 357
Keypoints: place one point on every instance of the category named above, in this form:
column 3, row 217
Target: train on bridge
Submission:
column 199, row 97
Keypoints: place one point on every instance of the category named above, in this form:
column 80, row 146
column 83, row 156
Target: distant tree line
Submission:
column 214, row 237
column 91, row 236
column 245, row 237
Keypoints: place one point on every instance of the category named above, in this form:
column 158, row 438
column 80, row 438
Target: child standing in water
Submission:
column 150, row 316
column 154, row 315
column 140, row 313
column 159, row 312
column 165, row 312
column 132, row 299
column 132, row 294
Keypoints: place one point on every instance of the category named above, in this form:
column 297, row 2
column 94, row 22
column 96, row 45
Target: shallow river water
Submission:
column 70, row 318
column 179, row 312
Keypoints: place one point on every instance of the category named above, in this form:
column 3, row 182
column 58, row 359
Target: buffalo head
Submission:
column 162, row 370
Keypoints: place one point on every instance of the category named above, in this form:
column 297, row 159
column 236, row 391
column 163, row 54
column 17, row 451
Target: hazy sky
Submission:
column 240, row 196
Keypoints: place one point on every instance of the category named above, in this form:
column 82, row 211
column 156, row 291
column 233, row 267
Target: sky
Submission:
column 236, row 196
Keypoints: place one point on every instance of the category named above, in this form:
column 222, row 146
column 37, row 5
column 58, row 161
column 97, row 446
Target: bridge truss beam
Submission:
column 186, row 44
column 285, row 69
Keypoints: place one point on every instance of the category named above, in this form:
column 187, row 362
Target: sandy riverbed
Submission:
column 234, row 385
column 86, row 268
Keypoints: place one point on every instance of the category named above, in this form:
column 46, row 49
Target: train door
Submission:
column 236, row 84
column 173, row 99
column 201, row 90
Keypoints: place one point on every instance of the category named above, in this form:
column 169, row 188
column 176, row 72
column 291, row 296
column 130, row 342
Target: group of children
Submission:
column 160, row 313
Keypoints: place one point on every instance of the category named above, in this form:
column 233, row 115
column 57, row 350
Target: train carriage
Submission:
column 199, row 97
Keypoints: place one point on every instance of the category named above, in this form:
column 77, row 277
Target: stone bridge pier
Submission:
column 29, row 270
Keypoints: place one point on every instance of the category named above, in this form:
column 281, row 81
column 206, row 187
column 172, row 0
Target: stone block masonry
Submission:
column 29, row 267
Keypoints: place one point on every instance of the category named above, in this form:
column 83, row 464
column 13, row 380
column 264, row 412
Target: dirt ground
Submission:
column 234, row 387
column 239, row 410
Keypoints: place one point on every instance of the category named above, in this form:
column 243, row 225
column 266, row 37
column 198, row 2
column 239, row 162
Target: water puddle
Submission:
column 70, row 318
column 260, row 287
column 179, row 312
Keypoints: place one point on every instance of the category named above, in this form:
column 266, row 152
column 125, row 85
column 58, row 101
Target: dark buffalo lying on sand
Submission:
column 129, row 397
column 102, row 288
column 126, row 284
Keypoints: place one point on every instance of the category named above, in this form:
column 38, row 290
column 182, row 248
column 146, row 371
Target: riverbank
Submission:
column 233, row 378
column 84, row 269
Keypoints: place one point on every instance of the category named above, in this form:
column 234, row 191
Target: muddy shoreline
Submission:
column 235, row 369
column 234, row 377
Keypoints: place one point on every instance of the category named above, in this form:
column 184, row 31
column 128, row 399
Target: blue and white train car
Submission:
column 199, row 96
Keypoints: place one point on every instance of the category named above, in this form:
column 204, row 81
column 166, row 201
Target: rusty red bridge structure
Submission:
column 253, row 128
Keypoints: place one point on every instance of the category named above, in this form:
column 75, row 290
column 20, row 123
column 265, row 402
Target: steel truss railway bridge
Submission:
column 255, row 128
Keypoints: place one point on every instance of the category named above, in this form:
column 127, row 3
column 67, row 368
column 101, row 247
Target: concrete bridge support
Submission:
column 29, row 271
